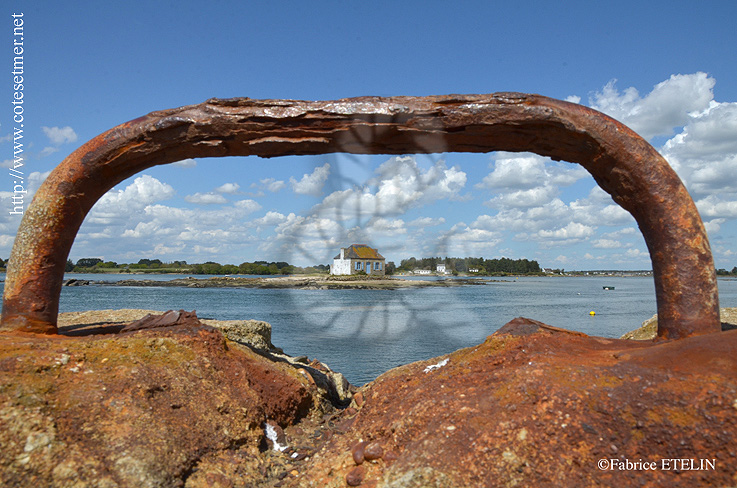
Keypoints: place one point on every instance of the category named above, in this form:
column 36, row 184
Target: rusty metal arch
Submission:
column 621, row 162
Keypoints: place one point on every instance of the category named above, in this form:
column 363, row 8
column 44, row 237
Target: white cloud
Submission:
column 185, row 163
column 384, row 226
column 534, row 197
column 206, row 199
column 606, row 244
column 60, row 135
column 311, row 184
column 715, row 207
column 270, row 219
column 569, row 234
column 228, row 188
column 714, row 226
column 400, row 184
column 426, row 222
column 119, row 205
column 666, row 107
column 273, row 185
column 704, row 154
column 527, row 180
column 573, row 230
column 462, row 240
column 247, row 206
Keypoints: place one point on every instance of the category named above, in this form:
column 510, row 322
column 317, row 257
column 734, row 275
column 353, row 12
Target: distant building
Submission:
column 473, row 270
column 356, row 259
column 441, row 269
column 422, row 271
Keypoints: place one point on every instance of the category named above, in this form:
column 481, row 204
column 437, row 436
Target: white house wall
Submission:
column 341, row 267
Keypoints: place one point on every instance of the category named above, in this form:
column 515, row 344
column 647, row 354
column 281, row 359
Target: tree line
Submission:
column 97, row 265
column 724, row 272
column 473, row 265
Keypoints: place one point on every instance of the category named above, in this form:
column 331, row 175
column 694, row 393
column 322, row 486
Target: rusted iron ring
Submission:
column 621, row 162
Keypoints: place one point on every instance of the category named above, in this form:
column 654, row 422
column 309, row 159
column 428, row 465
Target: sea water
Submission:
column 363, row 333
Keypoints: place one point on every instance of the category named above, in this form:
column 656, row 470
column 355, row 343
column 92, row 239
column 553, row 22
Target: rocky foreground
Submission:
column 169, row 400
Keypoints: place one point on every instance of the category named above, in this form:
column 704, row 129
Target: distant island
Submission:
column 469, row 266
column 424, row 266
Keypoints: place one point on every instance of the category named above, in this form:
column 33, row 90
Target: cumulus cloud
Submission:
column 60, row 135
column 426, row 222
column 606, row 244
column 132, row 221
column 312, row 184
column 716, row 207
column 704, row 153
column 206, row 199
column 273, row 185
column 574, row 231
column 228, row 188
column 270, row 219
column 382, row 226
column 522, row 171
column 464, row 240
column 527, row 180
column 400, row 184
column 666, row 107
column 118, row 204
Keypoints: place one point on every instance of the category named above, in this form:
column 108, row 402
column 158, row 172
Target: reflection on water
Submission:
column 362, row 333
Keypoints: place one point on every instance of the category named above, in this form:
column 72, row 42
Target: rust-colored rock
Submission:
column 621, row 162
column 373, row 451
column 536, row 405
column 167, row 319
column 533, row 405
column 357, row 452
column 354, row 477
column 146, row 408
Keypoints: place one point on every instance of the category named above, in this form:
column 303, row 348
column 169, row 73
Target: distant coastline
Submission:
column 322, row 282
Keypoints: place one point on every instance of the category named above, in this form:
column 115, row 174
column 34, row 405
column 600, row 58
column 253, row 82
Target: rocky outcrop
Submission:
column 332, row 387
column 649, row 328
column 536, row 405
column 328, row 282
column 147, row 409
column 533, row 405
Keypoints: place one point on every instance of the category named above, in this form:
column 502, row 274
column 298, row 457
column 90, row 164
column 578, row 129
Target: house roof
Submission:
column 360, row 251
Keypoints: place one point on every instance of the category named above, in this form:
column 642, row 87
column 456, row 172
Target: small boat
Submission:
column 608, row 287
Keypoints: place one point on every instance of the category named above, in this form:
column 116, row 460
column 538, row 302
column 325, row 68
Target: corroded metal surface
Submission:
column 621, row 162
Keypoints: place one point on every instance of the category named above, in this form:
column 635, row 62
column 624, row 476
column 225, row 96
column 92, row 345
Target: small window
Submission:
column 377, row 266
column 359, row 265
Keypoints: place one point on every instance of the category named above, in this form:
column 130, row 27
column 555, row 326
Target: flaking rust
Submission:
column 621, row 162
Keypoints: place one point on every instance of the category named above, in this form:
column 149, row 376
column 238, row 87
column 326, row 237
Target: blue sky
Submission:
column 667, row 69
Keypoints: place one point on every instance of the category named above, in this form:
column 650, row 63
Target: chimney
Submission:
column 342, row 253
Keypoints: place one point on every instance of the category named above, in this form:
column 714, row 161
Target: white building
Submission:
column 441, row 269
column 358, row 258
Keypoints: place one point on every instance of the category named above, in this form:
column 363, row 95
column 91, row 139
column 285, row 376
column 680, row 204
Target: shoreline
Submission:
column 293, row 282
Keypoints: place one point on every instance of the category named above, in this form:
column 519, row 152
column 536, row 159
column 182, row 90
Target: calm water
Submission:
column 362, row 333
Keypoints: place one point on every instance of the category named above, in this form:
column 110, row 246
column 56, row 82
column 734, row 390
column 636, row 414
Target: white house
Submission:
column 356, row 259
column 441, row 269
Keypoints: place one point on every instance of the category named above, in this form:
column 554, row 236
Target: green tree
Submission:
column 88, row 262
